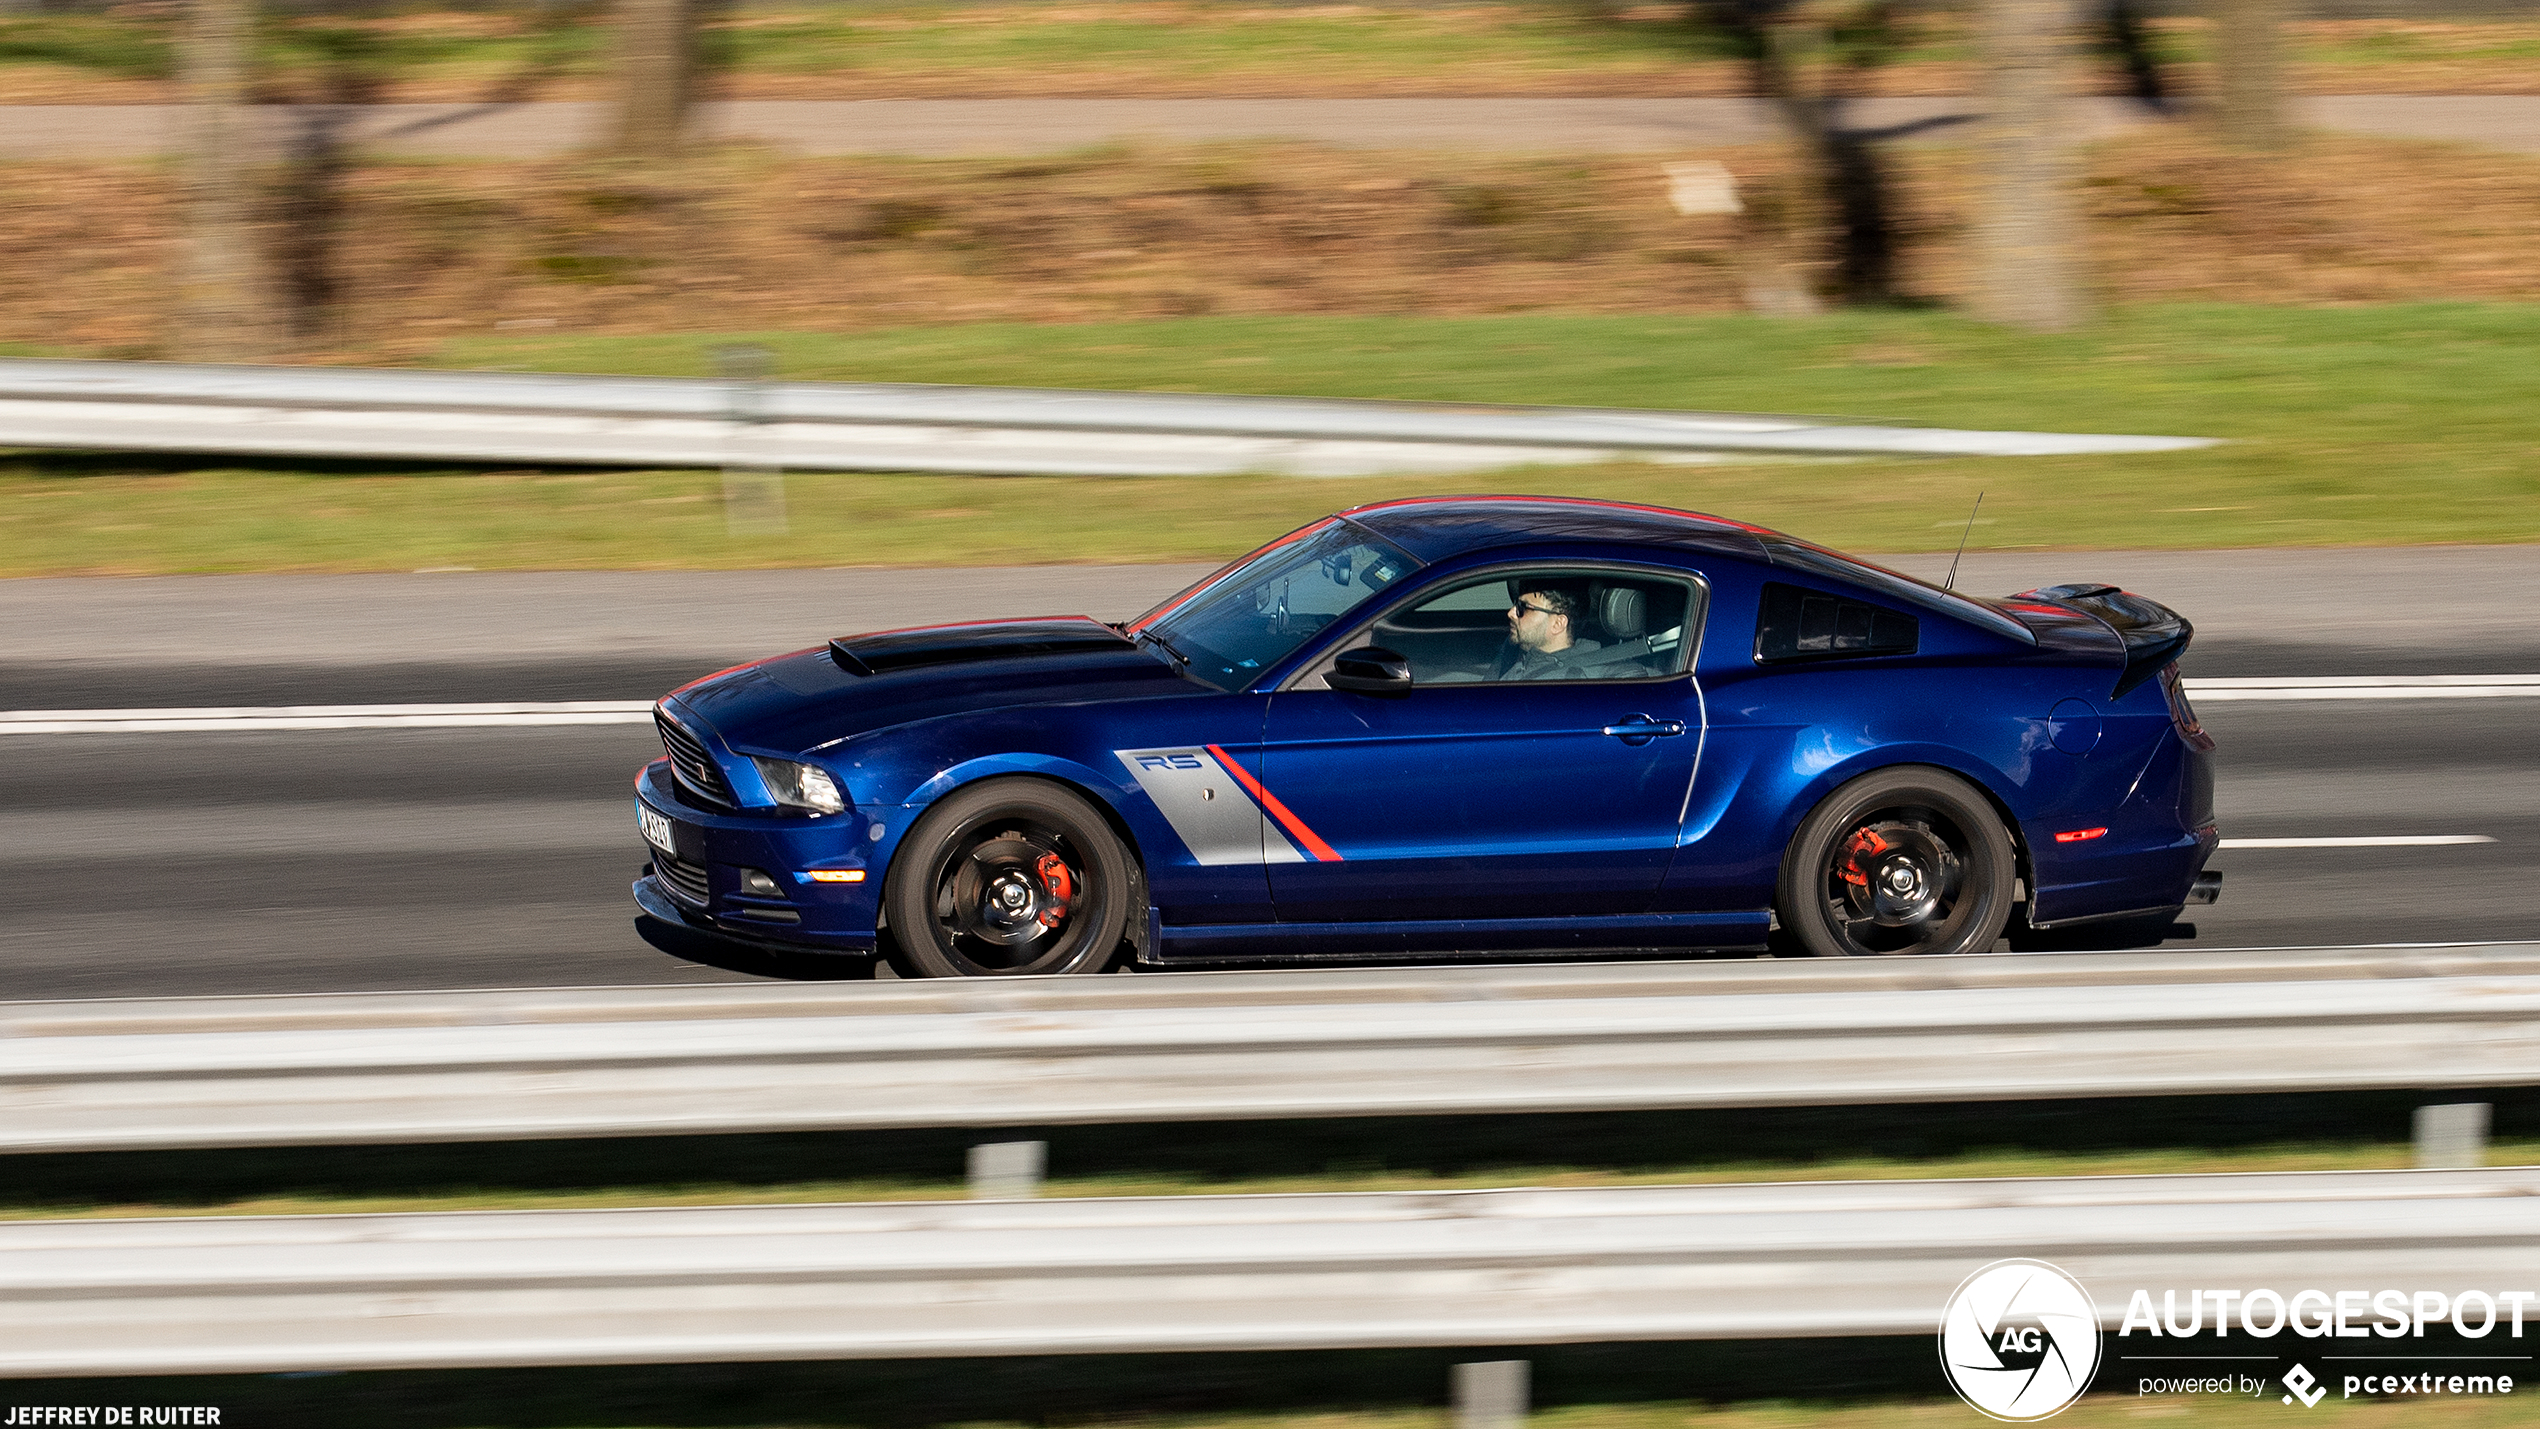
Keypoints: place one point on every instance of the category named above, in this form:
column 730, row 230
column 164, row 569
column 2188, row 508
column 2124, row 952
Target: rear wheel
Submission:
column 1910, row 860
column 1008, row 878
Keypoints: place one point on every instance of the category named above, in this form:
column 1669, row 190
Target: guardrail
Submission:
column 404, row 1067
column 460, row 1289
column 646, row 421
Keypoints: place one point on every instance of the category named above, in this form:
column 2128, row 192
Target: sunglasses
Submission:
column 1537, row 609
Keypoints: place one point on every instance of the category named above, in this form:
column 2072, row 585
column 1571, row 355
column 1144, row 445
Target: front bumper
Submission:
column 673, row 927
column 713, row 851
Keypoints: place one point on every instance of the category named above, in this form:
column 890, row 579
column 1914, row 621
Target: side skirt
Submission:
column 1356, row 942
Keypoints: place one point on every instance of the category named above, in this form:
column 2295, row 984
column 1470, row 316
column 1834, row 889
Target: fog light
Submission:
column 754, row 881
column 836, row 875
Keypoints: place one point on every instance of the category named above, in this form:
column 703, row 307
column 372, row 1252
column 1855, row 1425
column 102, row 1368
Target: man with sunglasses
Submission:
column 1543, row 639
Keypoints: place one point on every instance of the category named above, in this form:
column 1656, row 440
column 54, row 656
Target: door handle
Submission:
column 1641, row 729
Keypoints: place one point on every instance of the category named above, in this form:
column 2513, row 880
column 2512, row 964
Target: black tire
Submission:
column 1009, row 878
column 1900, row 861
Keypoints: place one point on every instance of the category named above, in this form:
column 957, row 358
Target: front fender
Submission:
column 1102, row 787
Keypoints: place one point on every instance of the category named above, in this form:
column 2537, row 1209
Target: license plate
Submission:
column 656, row 829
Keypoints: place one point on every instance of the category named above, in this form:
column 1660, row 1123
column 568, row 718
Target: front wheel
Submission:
column 1899, row 861
column 1008, row 878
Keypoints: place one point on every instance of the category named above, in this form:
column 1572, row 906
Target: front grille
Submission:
column 697, row 771
column 687, row 880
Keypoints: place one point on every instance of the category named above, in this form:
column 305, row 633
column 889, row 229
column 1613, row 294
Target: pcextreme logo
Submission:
column 2019, row 1340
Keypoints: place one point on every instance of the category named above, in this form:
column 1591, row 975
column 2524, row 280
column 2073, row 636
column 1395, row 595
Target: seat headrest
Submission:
column 1623, row 611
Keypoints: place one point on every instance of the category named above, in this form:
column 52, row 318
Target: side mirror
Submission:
column 1370, row 671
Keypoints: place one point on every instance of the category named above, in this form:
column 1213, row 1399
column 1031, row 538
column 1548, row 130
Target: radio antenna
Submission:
column 1952, row 582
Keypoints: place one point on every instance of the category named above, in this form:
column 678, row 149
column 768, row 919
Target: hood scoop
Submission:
column 887, row 650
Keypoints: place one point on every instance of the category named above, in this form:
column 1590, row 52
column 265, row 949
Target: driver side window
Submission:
column 1541, row 624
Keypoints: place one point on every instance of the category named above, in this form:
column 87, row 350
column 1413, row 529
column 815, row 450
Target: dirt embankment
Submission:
column 744, row 240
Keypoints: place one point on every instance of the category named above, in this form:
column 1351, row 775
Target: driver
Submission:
column 1543, row 640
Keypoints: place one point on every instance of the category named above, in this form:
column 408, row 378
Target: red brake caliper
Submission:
column 1865, row 844
column 1061, row 885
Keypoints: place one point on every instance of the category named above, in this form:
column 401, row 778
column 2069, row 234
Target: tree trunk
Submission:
column 2133, row 47
column 2249, row 69
column 656, row 72
column 2028, row 233
column 224, row 309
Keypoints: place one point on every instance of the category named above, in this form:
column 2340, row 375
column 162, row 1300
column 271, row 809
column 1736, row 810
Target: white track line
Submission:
column 2382, row 841
column 584, row 712
column 2244, row 689
column 307, row 717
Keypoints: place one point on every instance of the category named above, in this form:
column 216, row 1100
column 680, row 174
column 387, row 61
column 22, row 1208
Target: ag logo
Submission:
column 2019, row 1340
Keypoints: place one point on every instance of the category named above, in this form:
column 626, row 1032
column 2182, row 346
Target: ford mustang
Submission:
column 1438, row 729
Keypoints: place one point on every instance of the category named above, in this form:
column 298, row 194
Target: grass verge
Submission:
column 2150, row 1136
column 1149, row 47
column 2390, row 425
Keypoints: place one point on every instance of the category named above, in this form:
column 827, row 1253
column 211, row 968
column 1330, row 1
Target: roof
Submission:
column 1433, row 528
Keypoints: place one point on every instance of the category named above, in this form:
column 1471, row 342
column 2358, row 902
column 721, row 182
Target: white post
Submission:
column 753, row 485
column 2453, row 1135
column 1490, row 1394
column 1007, row 1170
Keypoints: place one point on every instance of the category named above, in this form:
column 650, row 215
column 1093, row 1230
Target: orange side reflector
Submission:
column 856, row 875
column 2076, row 836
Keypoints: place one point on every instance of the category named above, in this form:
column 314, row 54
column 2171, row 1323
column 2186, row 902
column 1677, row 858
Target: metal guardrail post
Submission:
column 753, row 490
column 2451, row 1136
column 1007, row 1170
column 1490, row 1394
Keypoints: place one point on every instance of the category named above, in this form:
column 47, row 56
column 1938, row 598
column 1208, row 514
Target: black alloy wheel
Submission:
column 1007, row 878
column 1906, row 860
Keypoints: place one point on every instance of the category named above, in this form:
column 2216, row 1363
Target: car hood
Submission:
column 792, row 704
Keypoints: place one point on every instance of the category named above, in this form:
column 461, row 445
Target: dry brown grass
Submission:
column 743, row 239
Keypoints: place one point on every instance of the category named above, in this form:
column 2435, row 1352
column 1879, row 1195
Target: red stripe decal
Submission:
column 1323, row 852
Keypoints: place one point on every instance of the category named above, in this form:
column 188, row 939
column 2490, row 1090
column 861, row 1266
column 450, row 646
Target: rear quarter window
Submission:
column 1794, row 624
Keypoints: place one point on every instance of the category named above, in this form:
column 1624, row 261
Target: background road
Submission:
column 322, row 861
column 944, row 128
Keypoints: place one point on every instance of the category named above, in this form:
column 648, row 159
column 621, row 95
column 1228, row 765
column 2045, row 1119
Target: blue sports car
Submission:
column 1440, row 728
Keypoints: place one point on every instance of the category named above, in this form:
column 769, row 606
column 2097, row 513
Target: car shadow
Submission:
column 732, row 955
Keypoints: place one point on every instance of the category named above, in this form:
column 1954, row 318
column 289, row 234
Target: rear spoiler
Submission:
column 2153, row 634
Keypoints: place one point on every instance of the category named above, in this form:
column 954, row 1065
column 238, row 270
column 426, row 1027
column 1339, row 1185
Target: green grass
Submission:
column 1469, row 48
column 118, row 47
column 2168, row 1161
column 2344, row 426
column 2152, row 1136
column 1200, row 43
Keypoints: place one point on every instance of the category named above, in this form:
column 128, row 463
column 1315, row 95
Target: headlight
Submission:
column 801, row 786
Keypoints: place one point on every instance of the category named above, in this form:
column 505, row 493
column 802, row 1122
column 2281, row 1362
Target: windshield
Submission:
column 1258, row 611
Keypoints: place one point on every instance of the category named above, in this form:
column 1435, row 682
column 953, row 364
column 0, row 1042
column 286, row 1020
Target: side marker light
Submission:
column 2079, row 835
column 836, row 875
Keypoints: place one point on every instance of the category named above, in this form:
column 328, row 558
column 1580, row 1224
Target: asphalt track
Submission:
column 342, row 860
column 987, row 127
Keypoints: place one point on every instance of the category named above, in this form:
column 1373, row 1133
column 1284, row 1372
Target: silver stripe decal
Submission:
column 1204, row 804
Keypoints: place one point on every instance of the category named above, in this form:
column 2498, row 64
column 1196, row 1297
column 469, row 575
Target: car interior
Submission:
column 1628, row 627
